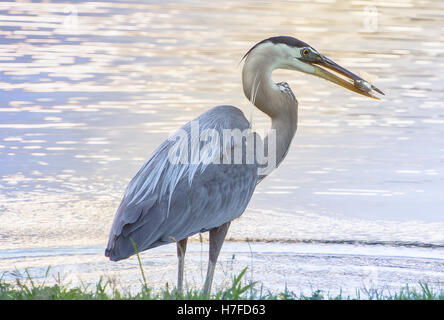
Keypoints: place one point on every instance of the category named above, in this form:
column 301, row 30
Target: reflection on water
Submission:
column 88, row 91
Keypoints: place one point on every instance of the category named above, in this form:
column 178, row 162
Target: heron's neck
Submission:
column 281, row 107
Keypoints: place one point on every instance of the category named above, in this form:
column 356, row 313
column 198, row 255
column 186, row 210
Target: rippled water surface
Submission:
column 89, row 89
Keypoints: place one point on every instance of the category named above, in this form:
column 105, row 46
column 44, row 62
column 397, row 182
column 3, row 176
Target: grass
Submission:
column 30, row 289
column 240, row 289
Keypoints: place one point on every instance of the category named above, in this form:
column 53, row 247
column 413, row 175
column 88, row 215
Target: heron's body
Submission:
column 168, row 201
column 202, row 197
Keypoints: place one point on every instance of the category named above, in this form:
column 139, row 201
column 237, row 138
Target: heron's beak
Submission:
column 350, row 81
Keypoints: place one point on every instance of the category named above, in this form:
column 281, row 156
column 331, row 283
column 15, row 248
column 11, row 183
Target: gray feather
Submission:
column 166, row 200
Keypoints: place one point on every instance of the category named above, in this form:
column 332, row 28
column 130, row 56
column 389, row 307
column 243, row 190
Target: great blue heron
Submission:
column 170, row 201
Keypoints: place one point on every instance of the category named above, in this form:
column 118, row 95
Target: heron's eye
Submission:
column 305, row 52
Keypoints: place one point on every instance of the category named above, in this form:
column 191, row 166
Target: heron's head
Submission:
column 290, row 53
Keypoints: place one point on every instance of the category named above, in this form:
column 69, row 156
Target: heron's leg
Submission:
column 217, row 237
column 181, row 248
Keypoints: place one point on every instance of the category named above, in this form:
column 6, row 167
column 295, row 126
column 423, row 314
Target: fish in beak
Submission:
column 349, row 80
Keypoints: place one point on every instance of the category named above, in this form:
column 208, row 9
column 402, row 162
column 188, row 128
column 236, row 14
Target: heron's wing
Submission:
column 173, row 200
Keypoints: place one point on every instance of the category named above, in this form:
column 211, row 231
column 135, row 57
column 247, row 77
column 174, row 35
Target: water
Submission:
column 89, row 89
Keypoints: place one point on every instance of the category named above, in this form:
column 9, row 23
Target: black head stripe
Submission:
column 289, row 41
